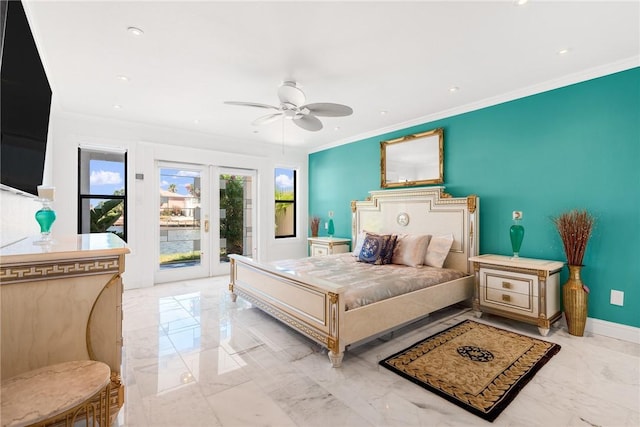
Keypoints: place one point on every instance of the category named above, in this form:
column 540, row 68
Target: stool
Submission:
column 58, row 394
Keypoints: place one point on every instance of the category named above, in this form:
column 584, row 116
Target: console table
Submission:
column 62, row 301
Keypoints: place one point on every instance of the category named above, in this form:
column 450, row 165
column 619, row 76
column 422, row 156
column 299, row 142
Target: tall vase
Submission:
column 331, row 229
column 516, row 233
column 575, row 299
column 314, row 229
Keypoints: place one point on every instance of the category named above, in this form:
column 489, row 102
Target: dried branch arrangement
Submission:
column 315, row 225
column 575, row 229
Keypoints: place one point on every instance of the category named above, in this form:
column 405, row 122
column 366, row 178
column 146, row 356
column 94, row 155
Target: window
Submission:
column 102, row 199
column 285, row 198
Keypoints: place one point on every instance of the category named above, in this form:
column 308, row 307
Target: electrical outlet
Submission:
column 617, row 297
column 517, row 215
column 330, row 214
column 326, row 225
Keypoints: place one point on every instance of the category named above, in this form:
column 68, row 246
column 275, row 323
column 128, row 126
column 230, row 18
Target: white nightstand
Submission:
column 320, row 246
column 524, row 289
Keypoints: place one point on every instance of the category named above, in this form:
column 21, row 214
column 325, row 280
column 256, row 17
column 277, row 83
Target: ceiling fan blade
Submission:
column 328, row 109
column 307, row 122
column 269, row 118
column 251, row 104
column 289, row 93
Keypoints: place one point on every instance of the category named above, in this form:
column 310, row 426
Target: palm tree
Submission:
column 105, row 215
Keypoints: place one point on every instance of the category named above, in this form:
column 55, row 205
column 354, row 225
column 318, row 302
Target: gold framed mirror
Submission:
column 412, row 160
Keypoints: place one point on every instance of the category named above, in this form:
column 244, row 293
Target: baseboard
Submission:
column 613, row 330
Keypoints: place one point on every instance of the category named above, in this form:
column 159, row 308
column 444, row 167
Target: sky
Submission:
column 284, row 179
column 180, row 177
column 106, row 177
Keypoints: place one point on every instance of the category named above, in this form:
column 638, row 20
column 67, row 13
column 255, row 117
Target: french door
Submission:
column 205, row 214
column 183, row 222
column 236, row 216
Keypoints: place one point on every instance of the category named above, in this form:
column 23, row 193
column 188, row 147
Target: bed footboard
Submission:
column 316, row 307
column 312, row 308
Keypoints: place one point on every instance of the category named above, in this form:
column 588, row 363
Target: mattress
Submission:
column 368, row 283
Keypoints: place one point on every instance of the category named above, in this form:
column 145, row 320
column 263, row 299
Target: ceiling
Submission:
column 393, row 62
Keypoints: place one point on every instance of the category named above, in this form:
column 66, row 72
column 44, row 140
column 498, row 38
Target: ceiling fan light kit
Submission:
column 293, row 107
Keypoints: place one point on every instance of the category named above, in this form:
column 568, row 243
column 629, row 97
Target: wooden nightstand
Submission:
column 524, row 289
column 320, row 246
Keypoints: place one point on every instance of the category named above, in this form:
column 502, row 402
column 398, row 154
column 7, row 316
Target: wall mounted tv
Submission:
column 25, row 98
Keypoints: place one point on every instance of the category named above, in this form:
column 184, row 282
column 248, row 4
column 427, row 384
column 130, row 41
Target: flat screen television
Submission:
column 25, row 98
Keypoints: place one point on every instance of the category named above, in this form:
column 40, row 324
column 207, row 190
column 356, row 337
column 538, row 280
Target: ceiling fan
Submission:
column 293, row 107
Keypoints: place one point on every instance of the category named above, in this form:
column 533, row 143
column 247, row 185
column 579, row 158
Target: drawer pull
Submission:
column 506, row 298
column 506, row 285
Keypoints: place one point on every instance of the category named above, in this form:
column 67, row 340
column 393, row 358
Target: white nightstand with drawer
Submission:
column 320, row 246
column 524, row 289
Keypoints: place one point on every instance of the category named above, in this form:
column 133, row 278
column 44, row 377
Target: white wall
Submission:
column 145, row 145
column 17, row 216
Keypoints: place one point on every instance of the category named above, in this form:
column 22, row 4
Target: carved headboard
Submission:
column 427, row 210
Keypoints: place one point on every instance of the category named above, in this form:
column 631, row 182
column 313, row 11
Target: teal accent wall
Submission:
column 572, row 147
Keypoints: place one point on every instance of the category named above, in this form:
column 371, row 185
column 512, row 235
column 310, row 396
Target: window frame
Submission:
column 293, row 202
column 84, row 196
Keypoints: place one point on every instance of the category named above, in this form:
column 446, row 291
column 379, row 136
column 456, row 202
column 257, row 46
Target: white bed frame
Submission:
column 315, row 307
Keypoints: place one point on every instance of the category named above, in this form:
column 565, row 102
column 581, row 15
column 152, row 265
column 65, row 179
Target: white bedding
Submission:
column 368, row 283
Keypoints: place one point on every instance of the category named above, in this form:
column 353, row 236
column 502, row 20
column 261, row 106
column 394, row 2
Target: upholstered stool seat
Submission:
column 57, row 394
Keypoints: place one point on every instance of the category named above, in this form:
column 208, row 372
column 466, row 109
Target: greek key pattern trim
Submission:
column 57, row 269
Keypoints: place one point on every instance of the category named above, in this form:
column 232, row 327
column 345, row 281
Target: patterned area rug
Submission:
column 476, row 366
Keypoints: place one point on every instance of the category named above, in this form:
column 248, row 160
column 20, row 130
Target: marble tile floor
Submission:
column 194, row 358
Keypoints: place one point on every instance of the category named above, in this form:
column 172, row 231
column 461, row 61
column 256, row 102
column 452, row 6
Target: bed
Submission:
column 316, row 304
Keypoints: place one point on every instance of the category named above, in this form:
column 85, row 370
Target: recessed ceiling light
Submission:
column 454, row 89
column 135, row 31
column 336, row 128
column 520, row 2
column 196, row 121
column 117, row 107
column 564, row 51
column 383, row 112
column 123, row 78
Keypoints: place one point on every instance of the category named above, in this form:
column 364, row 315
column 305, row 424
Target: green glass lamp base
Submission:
column 516, row 233
column 331, row 229
column 45, row 218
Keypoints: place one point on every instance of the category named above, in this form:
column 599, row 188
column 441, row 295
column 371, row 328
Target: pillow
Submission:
column 377, row 248
column 387, row 254
column 438, row 250
column 359, row 242
column 411, row 249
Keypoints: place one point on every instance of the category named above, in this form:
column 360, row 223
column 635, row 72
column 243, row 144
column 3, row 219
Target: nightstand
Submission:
column 320, row 246
column 524, row 289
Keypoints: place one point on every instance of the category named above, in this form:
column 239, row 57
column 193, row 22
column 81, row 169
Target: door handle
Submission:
column 206, row 225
